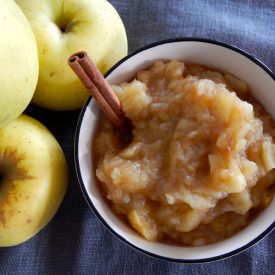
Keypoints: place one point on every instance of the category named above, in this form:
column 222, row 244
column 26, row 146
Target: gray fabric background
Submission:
column 75, row 242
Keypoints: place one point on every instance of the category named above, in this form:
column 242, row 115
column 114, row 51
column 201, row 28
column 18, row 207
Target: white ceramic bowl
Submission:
column 211, row 53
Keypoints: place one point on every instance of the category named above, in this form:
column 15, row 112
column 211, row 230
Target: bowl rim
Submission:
column 77, row 164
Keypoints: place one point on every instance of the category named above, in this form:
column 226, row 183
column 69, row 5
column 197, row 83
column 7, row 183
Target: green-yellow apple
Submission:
column 62, row 28
column 33, row 179
column 19, row 62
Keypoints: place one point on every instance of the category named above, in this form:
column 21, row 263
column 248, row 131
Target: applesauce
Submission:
column 199, row 166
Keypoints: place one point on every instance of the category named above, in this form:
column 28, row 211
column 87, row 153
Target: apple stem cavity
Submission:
column 3, row 171
column 1, row 177
column 9, row 169
column 65, row 25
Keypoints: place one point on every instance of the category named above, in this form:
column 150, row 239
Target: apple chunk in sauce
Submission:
column 199, row 167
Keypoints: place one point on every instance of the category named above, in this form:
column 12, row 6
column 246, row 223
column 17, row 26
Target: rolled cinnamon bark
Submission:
column 98, row 87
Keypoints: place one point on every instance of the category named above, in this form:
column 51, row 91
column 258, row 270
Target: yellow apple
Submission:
column 33, row 179
column 19, row 62
column 62, row 28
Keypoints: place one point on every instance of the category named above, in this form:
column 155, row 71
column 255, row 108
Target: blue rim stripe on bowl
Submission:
column 81, row 183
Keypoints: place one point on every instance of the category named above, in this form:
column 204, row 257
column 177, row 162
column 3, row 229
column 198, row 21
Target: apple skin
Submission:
column 63, row 28
column 33, row 179
column 19, row 62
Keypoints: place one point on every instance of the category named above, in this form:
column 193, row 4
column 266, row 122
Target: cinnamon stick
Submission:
column 98, row 87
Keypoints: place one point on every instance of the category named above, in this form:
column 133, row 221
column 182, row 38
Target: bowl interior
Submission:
column 201, row 52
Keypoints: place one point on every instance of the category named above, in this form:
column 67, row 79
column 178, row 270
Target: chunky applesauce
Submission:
column 199, row 166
